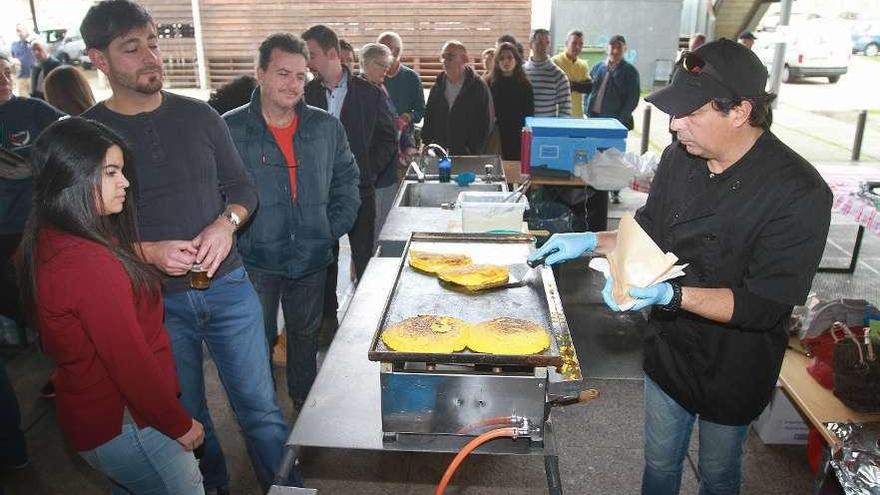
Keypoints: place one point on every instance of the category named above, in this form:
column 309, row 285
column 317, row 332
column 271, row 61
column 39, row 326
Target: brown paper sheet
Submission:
column 636, row 261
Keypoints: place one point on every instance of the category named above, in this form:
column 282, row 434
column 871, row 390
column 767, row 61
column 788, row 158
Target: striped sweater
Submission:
column 550, row 84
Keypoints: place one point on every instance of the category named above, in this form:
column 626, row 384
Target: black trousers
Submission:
column 361, row 237
column 9, row 304
column 12, row 446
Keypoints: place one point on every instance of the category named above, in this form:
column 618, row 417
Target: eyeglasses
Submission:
column 695, row 65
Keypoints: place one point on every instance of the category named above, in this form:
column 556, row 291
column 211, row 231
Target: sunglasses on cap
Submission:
column 695, row 65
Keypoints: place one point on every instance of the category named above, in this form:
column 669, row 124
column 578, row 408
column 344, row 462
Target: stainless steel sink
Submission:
column 464, row 163
column 434, row 194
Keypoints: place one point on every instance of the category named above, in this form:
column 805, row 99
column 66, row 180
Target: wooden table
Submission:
column 511, row 171
column 816, row 403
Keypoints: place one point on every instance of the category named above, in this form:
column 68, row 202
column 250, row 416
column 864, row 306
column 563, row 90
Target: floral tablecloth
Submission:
column 849, row 203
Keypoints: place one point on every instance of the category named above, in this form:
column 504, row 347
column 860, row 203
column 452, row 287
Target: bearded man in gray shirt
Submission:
column 193, row 195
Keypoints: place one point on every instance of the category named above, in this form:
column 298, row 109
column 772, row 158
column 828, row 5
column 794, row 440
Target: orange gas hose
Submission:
column 467, row 449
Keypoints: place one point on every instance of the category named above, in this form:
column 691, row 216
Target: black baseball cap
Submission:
column 617, row 39
column 746, row 35
column 719, row 69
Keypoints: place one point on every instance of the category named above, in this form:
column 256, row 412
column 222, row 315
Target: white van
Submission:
column 817, row 47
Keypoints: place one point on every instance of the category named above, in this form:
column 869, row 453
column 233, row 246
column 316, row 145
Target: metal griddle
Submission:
column 416, row 293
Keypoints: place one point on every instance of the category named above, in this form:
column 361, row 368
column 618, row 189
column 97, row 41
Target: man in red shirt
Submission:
column 307, row 179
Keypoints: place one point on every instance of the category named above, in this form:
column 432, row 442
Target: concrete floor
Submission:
column 600, row 443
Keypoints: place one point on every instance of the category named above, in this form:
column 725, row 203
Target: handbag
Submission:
column 856, row 369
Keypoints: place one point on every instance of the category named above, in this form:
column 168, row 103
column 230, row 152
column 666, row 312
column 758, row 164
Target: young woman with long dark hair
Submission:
column 513, row 98
column 98, row 311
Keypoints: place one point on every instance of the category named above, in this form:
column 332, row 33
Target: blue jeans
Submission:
column 302, row 303
column 668, row 429
column 227, row 317
column 146, row 462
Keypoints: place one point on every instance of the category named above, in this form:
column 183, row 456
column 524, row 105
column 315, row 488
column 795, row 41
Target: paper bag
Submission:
column 637, row 261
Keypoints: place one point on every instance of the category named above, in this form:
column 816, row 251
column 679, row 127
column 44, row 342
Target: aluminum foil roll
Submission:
column 857, row 461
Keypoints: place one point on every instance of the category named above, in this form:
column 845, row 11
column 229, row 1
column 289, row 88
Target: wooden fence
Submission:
column 232, row 29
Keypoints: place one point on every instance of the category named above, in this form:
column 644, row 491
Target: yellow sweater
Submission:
column 577, row 71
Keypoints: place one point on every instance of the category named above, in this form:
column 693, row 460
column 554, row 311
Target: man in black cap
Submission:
column 747, row 39
column 750, row 217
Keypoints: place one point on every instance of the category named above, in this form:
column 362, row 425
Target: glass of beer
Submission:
column 198, row 277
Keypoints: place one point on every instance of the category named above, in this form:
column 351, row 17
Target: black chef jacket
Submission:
column 758, row 228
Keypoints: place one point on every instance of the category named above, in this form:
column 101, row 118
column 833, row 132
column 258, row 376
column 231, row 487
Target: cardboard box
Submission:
column 781, row 423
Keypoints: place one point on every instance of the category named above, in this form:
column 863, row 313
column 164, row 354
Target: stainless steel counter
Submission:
column 343, row 409
column 402, row 222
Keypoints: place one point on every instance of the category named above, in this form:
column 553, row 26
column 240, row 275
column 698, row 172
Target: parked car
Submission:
column 866, row 37
column 72, row 49
column 816, row 47
column 53, row 37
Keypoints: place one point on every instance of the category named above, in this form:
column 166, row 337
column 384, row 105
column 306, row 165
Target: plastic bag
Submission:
column 645, row 169
column 821, row 314
column 612, row 169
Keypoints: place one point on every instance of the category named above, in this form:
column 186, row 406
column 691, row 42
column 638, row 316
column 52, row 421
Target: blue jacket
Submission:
column 294, row 238
column 621, row 92
column 368, row 124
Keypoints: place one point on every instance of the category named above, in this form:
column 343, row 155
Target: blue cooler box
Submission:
column 557, row 141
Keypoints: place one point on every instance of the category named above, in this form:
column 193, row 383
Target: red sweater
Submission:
column 111, row 351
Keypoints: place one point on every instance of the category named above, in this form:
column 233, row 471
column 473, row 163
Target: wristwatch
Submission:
column 674, row 304
column 233, row 218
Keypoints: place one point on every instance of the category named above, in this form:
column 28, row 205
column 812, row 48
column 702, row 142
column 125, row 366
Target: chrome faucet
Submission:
column 435, row 147
column 420, row 174
column 488, row 169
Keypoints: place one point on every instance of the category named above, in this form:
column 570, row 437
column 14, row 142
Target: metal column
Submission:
column 201, row 61
column 779, row 55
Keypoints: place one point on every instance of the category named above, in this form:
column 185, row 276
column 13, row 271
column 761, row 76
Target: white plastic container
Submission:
column 484, row 211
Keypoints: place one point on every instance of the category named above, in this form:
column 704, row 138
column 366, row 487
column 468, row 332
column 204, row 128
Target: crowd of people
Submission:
column 108, row 209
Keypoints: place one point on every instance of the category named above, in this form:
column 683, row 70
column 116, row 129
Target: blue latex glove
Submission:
column 569, row 246
column 606, row 294
column 465, row 178
column 657, row 294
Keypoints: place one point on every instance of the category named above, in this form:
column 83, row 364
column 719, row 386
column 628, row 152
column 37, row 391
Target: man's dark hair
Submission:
column 109, row 19
column 538, row 32
column 322, row 35
column 506, row 38
column 285, row 42
column 575, row 32
column 233, row 94
column 762, row 109
column 345, row 46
